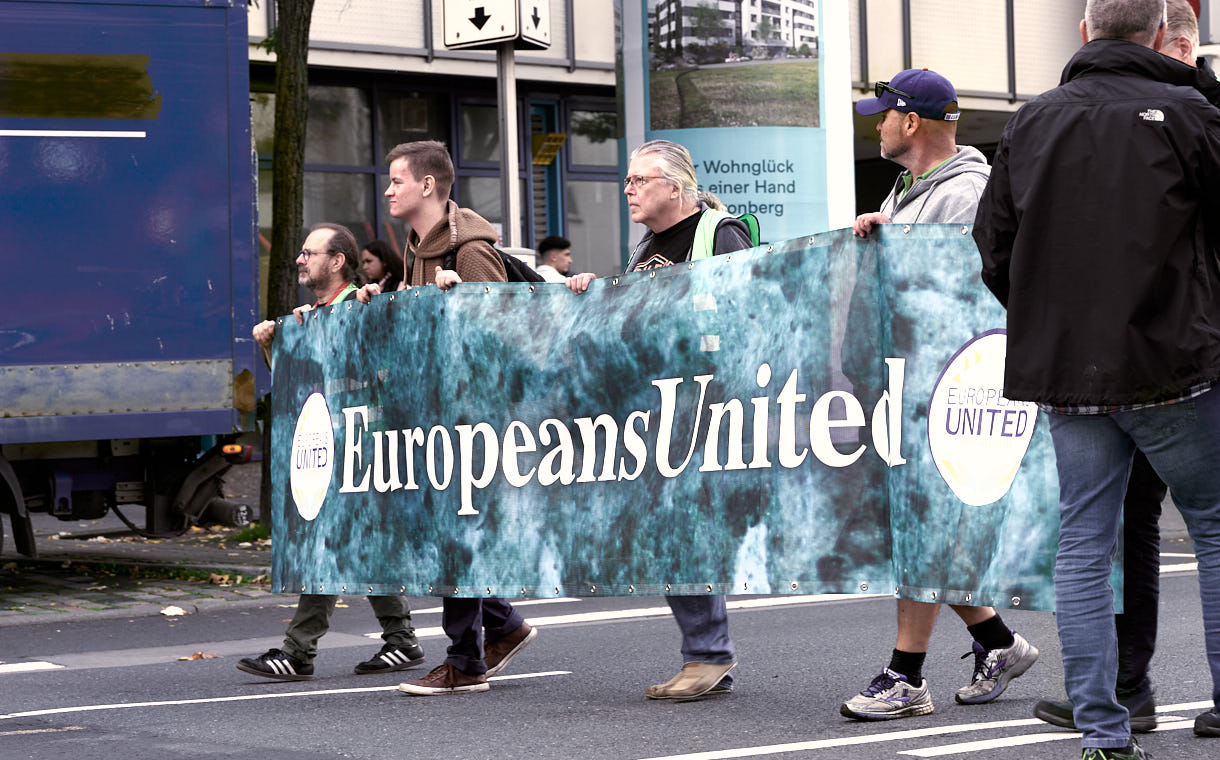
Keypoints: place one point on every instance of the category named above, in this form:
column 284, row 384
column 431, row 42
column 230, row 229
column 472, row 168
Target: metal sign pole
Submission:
column 510, row 185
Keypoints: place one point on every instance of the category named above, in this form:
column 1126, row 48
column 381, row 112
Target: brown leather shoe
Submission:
column 445, row 679
column 498, row 653
column 696, row 680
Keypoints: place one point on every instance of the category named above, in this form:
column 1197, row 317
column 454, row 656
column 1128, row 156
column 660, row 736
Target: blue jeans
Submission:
column 1093, row 456
column 704, row 622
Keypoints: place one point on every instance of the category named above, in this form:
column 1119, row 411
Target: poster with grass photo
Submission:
column 752, row 89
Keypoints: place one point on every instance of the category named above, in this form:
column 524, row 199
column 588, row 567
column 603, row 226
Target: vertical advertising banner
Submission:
column 759, row 92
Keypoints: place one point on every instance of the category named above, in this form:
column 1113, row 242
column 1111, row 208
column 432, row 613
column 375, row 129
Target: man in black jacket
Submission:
column 1093, row 233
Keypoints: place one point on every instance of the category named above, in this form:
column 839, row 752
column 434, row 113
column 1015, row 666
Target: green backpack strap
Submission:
column 705, row 233
column 751, row 223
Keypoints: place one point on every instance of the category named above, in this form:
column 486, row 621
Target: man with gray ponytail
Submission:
column 683, row 225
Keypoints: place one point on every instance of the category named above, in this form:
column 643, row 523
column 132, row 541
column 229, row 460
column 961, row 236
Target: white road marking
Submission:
column 28, row 667
column 68, row 133
column 524, row 603
column 41, row 731
column 1020, row 741
column 1177, row 555
column 919, row 733
column 1186, row 567
column 647, row 612
column 247, row 697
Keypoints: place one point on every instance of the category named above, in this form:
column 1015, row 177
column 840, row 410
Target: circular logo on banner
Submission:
column 976, row 436
column 313, row 454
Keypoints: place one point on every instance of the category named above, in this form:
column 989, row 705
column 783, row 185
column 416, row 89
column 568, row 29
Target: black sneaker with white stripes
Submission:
column 276, row 664
column 392, row 658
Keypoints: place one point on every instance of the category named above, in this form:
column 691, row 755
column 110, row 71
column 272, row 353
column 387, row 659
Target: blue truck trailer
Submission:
column 127, row 233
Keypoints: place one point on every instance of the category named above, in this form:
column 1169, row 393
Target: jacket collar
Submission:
column 1127, row 59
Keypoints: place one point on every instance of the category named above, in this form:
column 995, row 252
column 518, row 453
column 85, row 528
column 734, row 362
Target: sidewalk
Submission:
column 96, row 569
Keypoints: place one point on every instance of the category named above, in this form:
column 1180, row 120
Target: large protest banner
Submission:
column 822, row 415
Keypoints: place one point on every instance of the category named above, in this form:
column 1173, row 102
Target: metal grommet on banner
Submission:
column 486, row 289
column 279, row 321
column 315, row 314
column 906, row 229
column 933, row 594
column 709, row 588
column 370, row 589
column 965, row 229
column 614, row 281
column 403, row 589
column 652, row 275
column 691, row 265
column 429, row 589
column 417, row 293
column 811, row 240
column 631, row 589
column 349, row 306
column 345, row 589
column 455, row 591
column 556, row 589
column 531, row 288
column 391, row 298
column 321, row 589
column 593, row 589
column 794, row 585
column 969, row 597
column 728, row 258
column 302, row 588
column 523, row 591
column 489, row 590
column 1016, row 601
column 745, row 587
column 864, row 587
column 770, row 248
column 667, row 588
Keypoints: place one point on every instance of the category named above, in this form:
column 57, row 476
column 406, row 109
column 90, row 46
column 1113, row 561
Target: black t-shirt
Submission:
column 671, row 246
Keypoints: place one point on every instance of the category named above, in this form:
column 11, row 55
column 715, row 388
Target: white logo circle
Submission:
column 976, row 436
column 313, row 454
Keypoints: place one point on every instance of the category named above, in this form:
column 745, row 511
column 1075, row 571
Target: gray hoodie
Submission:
column 950, row 195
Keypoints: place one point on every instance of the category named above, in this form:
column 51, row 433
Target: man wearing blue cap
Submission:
column 941, row 182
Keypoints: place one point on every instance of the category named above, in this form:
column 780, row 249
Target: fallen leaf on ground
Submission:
column 99, row 540
column 96, row 588
column 218, row 580
column 174, row 611
column 201, row 656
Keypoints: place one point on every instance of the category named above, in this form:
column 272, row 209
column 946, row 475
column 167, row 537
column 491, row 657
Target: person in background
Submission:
column 381, row 264
column 554, row 258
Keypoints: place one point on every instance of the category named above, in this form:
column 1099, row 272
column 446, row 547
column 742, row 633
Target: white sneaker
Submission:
column 889, row 696
column 994, row 668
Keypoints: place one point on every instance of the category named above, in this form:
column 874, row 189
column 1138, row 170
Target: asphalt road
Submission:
column 116, row 689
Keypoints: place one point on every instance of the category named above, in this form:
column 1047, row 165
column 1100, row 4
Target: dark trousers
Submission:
column 1141, row 577
column 466, row 621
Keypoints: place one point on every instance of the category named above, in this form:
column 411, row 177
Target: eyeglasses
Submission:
column 638, row 181
column 882, row 87
column 307, row 253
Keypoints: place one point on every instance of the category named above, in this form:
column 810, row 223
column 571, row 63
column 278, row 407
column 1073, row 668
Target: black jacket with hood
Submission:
column 1093, row 232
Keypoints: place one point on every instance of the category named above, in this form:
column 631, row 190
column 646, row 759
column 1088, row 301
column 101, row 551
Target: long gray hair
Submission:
column 675, row 163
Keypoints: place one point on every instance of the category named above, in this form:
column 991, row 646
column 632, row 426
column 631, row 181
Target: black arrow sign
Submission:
column 536, row 17
column 480, row 18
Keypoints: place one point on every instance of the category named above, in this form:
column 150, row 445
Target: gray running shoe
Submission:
column 994, row 668
column 889, row 696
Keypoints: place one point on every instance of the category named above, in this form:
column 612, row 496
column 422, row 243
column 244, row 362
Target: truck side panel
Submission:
column 128, row 220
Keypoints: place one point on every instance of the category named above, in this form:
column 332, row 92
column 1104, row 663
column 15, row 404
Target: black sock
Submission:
column 992, row 633
column 909, row 664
